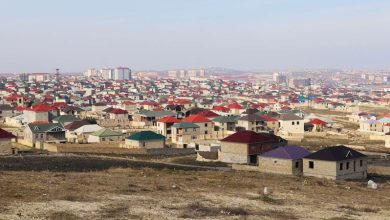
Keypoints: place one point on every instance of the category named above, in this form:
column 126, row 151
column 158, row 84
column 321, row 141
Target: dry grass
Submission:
column 146, row 193
column 63, row 216
column 191, row 160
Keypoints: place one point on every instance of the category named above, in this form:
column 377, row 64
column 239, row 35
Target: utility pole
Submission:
column 57, row 81
column 309, row 95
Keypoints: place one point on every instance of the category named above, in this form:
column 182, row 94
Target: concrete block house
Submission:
column 283, row 160
column 336, row 162
column 244, row 146
column 145, row 139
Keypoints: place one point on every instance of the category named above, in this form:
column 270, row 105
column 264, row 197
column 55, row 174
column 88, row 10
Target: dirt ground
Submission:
column 134, row 192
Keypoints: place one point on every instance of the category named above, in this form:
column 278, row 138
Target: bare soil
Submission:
column 94, row 188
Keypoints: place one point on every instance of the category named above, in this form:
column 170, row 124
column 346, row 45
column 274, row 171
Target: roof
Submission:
column 105, row 132
column 220, row 108
column 169, row 119
column 146, row 136
column 317, row 121
column 76, row 124
column 292, row 152
column 266, row 118
column 47, row 127
column 88, row 128
column 117, row 111
column 153, row 114
column 42, row 108
column 250, row 111
column 226, row 119
column 66, row 118
column 251, row 117
column 72, row 108
column 6, row 134
column 335, row 153
column 208, row 114
column 185, row 125
column 289, row 117
column 249, row 137
column 235, row 105
column 196, row 119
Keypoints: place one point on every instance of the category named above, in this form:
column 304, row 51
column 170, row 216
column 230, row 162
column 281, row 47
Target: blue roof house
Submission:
column 283, row 160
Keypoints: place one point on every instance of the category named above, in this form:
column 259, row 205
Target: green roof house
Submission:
column 105, row 135
column 145, row 139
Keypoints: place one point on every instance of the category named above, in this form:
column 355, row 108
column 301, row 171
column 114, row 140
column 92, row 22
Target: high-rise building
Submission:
column 107, row 73
column 186, row 73
column 121, row 73
column 91, row 72
column 279, row 78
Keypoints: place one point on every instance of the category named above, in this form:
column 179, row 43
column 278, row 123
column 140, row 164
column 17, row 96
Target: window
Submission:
column 347, row 166
column 205, row 124
column 41, row 136
column 296, row 164
column 361, row 163
column 341, row 166
column 103, row 139
column 311, row 164
column 297, row 122
column 143, row 144
column 293, row 123
column 205, row 132
column 194, row 129
column 185, row 130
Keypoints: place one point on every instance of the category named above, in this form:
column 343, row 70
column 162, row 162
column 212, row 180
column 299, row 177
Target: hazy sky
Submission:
column 73, row 35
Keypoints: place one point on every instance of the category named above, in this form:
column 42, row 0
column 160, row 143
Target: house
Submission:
column 184, row 133
column 336, row 162
column 128, row 106
column 71, row 110
column 245, row 146
column 271, row 123
column 206, row 126
column 105, row 135
column 75, row 124
column 252, row 122
column 66, row 119
column 225, row 125
column 40, row 112
column 371, row 125
column 145, row 139
column 318, row 125
column 150, row 118
column 81, row 134
column 283, row 160
column 291, row 123
column 44, row 132
column 5, row 141
column 235, row 108
column 119, row 114
column 387, row 140
column 6, row 111
column 98, row 107
column 164, row 126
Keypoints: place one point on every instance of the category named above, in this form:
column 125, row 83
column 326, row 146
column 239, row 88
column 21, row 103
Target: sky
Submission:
column 74, row 35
